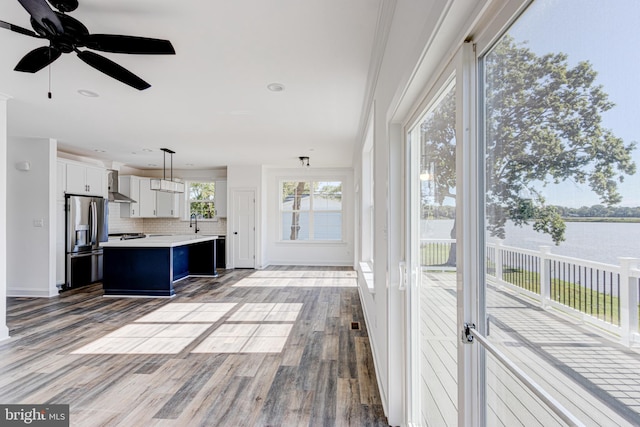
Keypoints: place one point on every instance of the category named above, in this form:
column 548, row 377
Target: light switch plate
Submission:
column 38, row 222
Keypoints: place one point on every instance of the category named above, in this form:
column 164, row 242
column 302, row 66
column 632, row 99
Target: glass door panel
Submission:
column 434, row 139
column 561, row 297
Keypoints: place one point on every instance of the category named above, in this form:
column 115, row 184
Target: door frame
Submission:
column 233, row 224
column 470, row 368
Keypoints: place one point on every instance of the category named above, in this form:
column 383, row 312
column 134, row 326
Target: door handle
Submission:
column 235, row 232
column 403, row 276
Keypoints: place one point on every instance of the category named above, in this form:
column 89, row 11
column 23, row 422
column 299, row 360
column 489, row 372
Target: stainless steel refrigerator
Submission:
column 86, row 226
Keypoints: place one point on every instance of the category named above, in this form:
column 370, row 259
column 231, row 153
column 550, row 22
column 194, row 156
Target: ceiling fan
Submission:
column 66, row 35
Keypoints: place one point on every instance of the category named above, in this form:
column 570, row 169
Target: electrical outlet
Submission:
column 38, row 222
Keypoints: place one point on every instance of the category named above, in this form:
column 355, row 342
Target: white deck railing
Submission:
column 605, row 295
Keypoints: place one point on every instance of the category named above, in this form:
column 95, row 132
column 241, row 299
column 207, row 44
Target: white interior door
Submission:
column 244, row 228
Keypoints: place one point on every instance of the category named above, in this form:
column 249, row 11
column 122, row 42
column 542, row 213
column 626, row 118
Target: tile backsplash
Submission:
column 177, row 226
column 124, row 225
column 164, row 226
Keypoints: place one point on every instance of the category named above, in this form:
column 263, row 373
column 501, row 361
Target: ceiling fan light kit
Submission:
column 164, row 184
column 66, row 34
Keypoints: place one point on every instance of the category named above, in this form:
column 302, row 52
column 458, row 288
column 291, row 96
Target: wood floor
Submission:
column 250, row 348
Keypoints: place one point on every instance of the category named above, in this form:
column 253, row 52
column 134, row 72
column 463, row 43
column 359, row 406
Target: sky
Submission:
column 605, row 33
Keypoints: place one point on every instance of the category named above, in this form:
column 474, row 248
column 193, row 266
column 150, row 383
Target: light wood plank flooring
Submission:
column 250, row 348
column 594, row 378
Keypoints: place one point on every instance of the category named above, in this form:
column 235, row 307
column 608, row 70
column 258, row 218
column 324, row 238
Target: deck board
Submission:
column 593, row 377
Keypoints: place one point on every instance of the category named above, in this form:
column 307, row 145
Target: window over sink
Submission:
column 200, row 197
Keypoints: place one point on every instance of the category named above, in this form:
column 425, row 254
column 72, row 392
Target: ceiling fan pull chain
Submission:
column 49, row 93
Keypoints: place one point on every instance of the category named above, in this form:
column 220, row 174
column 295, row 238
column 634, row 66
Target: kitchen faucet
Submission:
column 194, row 217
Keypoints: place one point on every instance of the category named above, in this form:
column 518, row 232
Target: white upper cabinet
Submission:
column 147, row 201
column 84, row 179
column 130, row 187
column 221, row 199
column 166, row 205
column 155, row 204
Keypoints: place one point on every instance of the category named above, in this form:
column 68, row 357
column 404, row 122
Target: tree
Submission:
column 204, row 193
column 543, row 125
column 297, row 191
column 294, row 192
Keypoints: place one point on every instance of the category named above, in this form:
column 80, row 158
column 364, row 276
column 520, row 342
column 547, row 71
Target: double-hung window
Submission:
column 311, row 210
column 201, row 199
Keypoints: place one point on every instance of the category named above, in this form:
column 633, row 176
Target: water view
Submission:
column 594, row 241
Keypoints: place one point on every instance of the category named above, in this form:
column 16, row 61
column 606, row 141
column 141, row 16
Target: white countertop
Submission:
column 159, row 241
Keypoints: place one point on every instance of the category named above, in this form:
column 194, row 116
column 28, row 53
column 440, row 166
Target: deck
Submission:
column 592, row 376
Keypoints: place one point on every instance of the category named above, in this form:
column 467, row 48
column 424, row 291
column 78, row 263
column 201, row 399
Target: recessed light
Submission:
column 275, row 87
column 147, row 150
column 188, row 164
column 152, row 165
column 98, row 150
column 88, row 93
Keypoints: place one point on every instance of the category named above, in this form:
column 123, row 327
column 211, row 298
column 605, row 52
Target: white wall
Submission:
column 31, row 202
column 4, row 330
column 308, row 253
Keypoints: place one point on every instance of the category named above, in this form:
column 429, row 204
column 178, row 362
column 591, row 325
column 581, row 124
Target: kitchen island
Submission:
column 148, row 267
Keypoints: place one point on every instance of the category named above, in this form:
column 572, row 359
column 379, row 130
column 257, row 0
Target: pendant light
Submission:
column 164, row 184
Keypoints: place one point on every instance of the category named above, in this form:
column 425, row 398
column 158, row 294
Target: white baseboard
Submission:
column 312, row 264
column 374, row 352
column 28, row 293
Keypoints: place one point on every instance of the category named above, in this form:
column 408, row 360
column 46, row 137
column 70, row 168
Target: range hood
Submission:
column 114, row 194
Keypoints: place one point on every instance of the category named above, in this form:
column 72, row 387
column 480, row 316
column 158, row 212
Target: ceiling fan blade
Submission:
column 112, row 69
column 42, row 13
column 37, row 59
column 128, row 44
column 64, row 5
column 20, row 30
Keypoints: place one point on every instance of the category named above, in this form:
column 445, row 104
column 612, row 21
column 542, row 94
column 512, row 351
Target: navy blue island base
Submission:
column 149, row 269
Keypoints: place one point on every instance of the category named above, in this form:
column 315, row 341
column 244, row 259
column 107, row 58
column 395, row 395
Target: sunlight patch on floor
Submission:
column 246, row 338
column 171, row 328
column 307, row 274
column 298, row 282
column 161, row 338
column 186, row 312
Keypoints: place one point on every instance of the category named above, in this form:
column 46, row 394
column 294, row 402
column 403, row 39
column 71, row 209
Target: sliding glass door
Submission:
column 433, row 248
column 558, row 156
column 523, row 220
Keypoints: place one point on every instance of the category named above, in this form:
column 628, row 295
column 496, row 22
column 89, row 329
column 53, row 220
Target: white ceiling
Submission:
column 209, row 102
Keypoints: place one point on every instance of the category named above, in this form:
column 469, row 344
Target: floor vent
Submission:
column 355, row 326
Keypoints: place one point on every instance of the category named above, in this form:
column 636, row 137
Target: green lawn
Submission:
column 433, row 254
column 598, row 304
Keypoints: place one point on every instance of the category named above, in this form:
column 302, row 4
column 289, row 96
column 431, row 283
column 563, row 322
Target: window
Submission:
column 367, row 197
column 311, row 210
column 201, row 199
